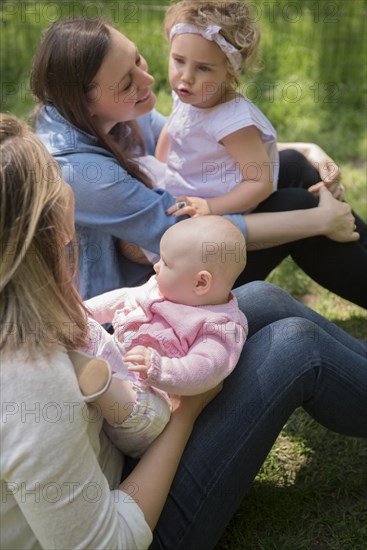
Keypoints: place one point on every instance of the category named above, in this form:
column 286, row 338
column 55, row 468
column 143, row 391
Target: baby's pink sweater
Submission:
column 194, row 347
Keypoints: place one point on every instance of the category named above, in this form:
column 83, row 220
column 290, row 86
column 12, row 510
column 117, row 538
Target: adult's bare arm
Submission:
column 331, row 218
column 154, row 473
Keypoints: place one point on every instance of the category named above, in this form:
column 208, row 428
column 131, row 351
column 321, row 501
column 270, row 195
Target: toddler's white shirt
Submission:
column 197, row 163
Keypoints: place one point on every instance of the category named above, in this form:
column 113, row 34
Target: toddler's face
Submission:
column 198, row 71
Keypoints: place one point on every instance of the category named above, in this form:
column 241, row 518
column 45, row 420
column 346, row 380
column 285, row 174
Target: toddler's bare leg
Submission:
column 118, row 402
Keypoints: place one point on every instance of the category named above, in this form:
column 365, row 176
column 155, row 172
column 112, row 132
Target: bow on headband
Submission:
column 210, row 33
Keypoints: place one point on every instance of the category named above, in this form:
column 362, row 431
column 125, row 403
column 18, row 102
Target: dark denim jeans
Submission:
column 292, row 358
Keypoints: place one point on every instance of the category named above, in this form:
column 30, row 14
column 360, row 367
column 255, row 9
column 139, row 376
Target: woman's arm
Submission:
column 133, row 252
column 116, row 203
column 125, row 208
column 331, row 218
column 153, row 475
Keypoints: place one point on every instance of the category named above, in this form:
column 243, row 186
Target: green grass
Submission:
column 309, row 495
column 311, row 492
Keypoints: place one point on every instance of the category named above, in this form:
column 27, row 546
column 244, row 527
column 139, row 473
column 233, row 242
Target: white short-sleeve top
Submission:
column 197, row 163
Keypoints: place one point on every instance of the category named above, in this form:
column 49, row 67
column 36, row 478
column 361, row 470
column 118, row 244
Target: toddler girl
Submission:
column 220, row 150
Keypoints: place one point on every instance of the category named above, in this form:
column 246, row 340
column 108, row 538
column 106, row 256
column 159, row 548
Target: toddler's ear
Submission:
column 204, row 281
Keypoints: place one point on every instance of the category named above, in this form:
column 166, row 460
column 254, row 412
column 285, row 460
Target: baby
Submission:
column 180, row 333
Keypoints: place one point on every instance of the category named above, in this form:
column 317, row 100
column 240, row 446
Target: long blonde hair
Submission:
column 39, row 305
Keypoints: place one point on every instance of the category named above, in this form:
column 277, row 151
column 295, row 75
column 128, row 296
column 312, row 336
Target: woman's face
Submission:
column 121, row 88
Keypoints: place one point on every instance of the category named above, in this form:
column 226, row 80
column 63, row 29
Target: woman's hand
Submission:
column 338, row 217
column 132, row 252
column 189, row 206
column 328, row 169
column 337, row 190
column 192, row 405
column 153, row 474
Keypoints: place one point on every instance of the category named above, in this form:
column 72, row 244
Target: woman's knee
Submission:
column 295, row 170
column 288, row 199
column 255, row 294
column 285, row 356
column 264, row 303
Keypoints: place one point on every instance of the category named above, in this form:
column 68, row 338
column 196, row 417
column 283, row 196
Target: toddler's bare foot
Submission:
column 94, row 375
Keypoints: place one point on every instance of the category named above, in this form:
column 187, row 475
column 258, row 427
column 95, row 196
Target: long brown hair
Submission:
column 39, row 305
column 67, row 60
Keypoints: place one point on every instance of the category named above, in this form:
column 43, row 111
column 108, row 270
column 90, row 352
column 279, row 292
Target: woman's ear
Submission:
column 203, row 284
column 90, row 111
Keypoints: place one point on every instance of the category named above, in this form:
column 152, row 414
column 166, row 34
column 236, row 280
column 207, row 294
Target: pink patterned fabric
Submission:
column 194, row 348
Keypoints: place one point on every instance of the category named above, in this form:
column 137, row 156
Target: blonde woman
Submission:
column 60, row 475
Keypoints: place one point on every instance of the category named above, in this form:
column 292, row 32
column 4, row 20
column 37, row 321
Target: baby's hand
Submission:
column 141, row 356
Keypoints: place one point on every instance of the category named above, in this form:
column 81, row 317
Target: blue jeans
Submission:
column 293, row 357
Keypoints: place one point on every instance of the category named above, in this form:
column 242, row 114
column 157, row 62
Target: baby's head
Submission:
column 237, row 27
column 200, row 260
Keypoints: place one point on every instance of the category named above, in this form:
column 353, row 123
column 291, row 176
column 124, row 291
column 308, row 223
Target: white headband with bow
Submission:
column 210, row 33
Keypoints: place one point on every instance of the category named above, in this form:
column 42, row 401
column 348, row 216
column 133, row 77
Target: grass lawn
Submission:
column 309, row 495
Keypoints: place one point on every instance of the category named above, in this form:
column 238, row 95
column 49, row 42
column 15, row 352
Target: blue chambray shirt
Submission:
column 109, row 203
